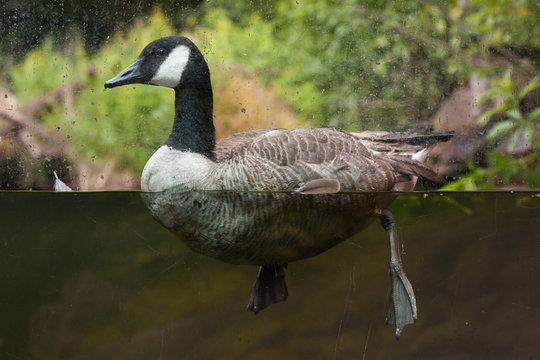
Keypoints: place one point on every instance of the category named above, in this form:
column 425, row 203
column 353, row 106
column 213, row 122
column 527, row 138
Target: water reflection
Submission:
column 271, row 229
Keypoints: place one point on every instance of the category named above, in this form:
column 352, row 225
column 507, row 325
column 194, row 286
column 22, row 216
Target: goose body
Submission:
column 315, row 160
column 307, row 161
column 274, row 160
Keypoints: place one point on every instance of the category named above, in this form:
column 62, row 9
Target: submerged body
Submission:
column 254, row 228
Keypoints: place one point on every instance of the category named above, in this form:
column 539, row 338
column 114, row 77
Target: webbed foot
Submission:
column 402, row 309
column 269, row 287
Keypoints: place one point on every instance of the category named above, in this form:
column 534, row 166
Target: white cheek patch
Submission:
column 170, row 71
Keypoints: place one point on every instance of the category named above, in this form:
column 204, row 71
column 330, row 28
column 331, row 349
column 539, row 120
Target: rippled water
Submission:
column 94, row 276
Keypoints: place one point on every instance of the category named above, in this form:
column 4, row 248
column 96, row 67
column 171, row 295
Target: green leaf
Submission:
column 533, row 84
column 500, row 129
column 533, row 114
column 514, row 114
column 486, row 116
column 489, row 94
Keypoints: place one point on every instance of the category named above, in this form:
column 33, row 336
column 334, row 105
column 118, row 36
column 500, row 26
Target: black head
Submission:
column 170, row 61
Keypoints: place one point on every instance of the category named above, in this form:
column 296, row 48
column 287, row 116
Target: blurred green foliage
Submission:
column 362, row 65
column 511, row 127
column 348, row 64
column 128, row 124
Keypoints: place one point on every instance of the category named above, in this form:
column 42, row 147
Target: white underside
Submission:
column 169, row 167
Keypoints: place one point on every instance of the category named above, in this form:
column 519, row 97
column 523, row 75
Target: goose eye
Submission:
column 160, row 51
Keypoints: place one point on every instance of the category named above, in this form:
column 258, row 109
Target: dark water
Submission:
column 94, row 276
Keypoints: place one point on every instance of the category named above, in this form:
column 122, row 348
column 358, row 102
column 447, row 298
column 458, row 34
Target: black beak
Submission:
column 130, row 75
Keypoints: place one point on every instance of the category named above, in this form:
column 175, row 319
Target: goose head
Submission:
column 171, row 61
column 176, row 62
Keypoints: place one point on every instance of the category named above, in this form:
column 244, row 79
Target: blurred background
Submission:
column 467, row 66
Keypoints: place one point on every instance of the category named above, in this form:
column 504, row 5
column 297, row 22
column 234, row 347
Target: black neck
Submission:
column 193, row 128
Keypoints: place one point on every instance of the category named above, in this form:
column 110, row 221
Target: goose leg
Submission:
column 269, row 287
column 402, row 309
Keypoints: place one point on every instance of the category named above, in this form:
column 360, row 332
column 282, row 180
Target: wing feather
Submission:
column 282, row 159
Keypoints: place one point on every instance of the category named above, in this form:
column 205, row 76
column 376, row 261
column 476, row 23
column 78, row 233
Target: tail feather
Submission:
column 405, row 151
column 404, row 143
column 415, row 139
column 407, row 166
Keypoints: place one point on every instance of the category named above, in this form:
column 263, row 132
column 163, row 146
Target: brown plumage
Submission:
column 290, row 159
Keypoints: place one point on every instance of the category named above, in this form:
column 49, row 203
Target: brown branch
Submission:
column 31, row 127
column 62, row 93
column 510, row 55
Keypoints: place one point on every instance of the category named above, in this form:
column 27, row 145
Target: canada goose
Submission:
column 308, row 161
column 304, row 160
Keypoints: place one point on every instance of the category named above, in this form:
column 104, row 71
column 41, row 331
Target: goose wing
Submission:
column 233, row 144
column 308, row 160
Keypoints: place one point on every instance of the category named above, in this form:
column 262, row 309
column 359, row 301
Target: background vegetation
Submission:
column 352, row 65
